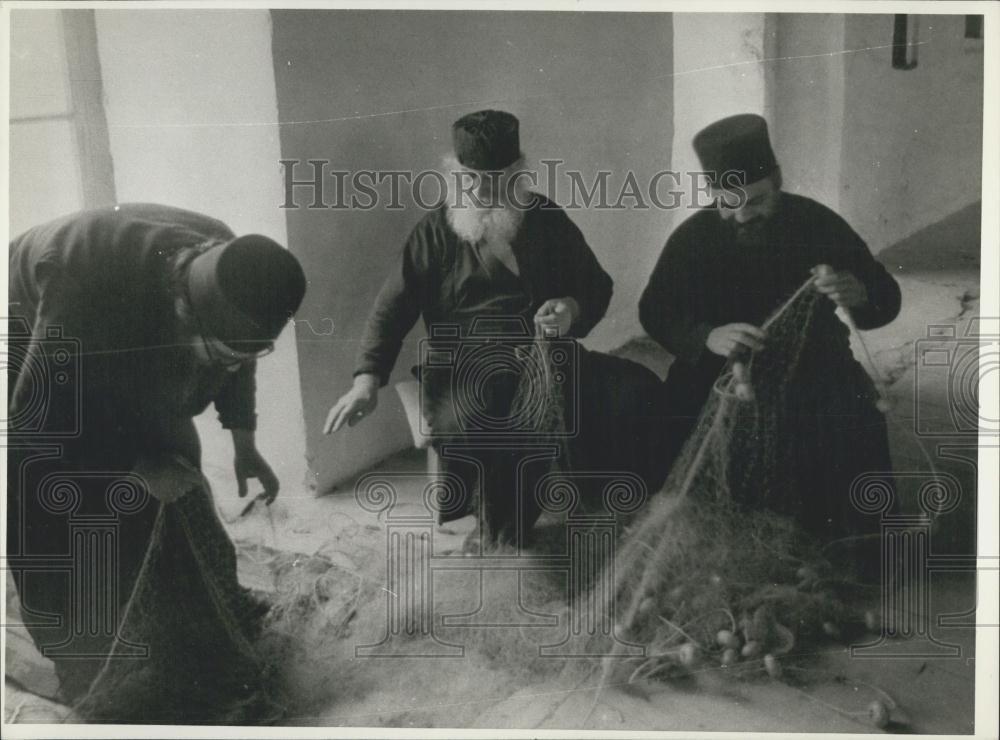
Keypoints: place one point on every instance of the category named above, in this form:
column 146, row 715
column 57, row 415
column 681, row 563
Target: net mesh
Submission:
column 540, row 398
column 715, row 562
column 186, row 648
column 719, row 560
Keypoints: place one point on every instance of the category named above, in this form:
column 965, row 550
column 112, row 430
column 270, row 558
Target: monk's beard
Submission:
column 759, row 231
column 753, row 233
column 492, row 225
column 495, row 221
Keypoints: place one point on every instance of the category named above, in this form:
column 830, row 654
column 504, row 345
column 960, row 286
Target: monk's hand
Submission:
column 354, row 405
column 731, row 339
column 843, row 288
column 556, row 315
column 168, row 476
column 248, row 463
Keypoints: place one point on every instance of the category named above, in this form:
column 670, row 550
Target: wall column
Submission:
column 194, row 123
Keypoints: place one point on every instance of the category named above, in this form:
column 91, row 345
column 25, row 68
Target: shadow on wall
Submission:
column 950, row 245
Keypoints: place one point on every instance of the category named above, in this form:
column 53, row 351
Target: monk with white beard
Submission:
column 492, row 253
column 481, row 215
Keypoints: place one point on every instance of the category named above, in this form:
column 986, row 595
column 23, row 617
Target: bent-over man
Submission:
column 126, row 322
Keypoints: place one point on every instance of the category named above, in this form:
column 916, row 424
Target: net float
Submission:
column 689, row 654
column 772, row 666
column 726, row 639
column 729, row 657
column 878, row 713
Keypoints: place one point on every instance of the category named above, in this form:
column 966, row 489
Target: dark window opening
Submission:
column 973, row 26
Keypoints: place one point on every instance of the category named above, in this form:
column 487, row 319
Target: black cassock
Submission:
column 101, row 377
column 469, row 298
column 706, row 278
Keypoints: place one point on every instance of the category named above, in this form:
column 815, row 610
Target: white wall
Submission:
column 807, row 117
column 44, row 165
column 192, row 113
column 912, row 151
column 891, row 150
column 192, row 116
column 718, row 71
column 591, row 88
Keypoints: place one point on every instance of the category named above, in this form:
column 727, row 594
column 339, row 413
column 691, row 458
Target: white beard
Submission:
column 492, row 225
column 474, row 223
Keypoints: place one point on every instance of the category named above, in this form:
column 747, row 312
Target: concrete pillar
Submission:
column 192, row 119
column 720, row 68
column 807, row 116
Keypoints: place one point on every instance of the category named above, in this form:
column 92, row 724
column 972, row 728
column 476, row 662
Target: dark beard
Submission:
column 752, row 234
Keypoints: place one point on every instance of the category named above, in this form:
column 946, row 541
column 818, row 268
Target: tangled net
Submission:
column 719, row 569
column 312, row 624
column 540, row 399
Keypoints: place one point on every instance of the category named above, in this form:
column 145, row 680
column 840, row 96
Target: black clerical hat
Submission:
column 486, row 140
column 739, row 145
column 243, row 292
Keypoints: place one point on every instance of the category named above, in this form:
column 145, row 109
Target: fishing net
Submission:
column 194, row 647
column 186, row 646
column 724, row 565
column 718, row 566
column 546, row 384
column 603, row 412
column 320, row 610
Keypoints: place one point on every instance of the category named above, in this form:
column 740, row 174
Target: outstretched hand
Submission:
column 354, row 405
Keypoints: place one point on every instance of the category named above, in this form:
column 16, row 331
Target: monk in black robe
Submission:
column 498, row 268
column 723, row 272
column 125, row 323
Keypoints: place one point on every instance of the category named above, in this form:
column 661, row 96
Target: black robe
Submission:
column 467, row 299
column 100, row 377
column 705, row 278
column 448, row 282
